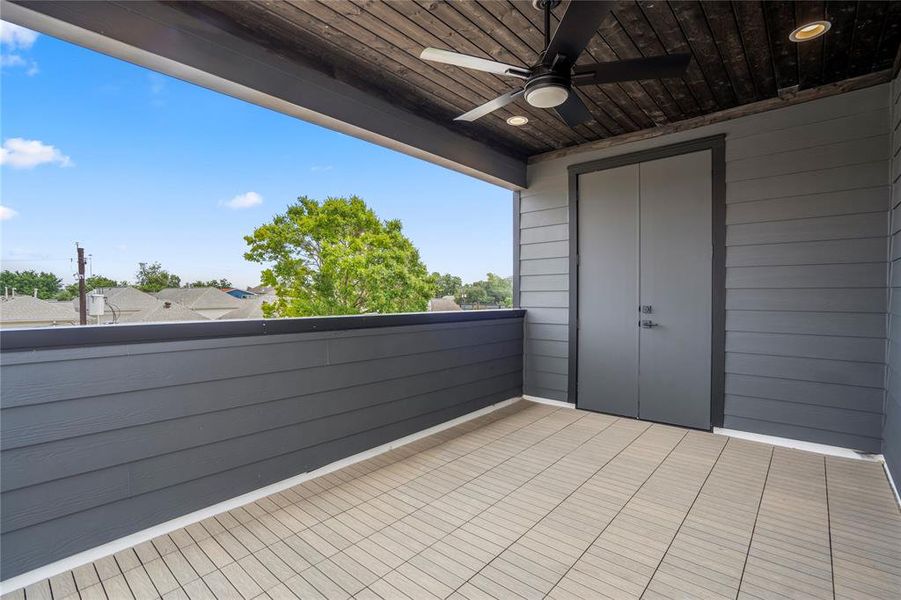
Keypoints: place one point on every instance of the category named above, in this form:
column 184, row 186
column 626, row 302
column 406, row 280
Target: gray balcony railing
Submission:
column 109, row 430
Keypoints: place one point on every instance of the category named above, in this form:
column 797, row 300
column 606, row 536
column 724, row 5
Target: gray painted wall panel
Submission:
column 810, row 346
column 871, row 300
column 891, row 431
column 830, row 436
column 846, row 202
column 112, row 453
column 541, row 331
column 838, row 154
column 543, row 299
column 542, row 250
column 863, row 275
column 810, row 323
column 864, row 250
column 541, row 218
column 807, row 194
column 543, row 283
column 805, row 392
column 807, row 369
column 548, row 233
column 809, row 415
column 865, row 124
column 550, row 364
column 841, row 227
column 810, row 182
column 67, row 535
column 544, row 266
column 23, row 426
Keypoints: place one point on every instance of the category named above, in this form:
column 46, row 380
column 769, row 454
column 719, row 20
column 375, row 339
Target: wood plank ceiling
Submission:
column 741, row 54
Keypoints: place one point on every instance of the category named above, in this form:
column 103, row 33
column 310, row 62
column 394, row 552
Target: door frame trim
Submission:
column 717, row 146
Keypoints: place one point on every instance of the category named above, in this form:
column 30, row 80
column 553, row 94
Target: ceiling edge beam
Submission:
column 164, row 39
column 786, row 99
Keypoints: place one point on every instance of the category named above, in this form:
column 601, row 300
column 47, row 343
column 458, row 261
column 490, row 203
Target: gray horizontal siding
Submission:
column 99, row 442
column 891, row 432
column 807, row 217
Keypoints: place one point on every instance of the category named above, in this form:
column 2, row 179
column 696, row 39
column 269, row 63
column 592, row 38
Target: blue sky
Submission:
column 140, row 167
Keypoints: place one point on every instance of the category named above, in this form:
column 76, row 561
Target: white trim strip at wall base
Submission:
column 799, row 445
column 557, row 403
column 891, row 482
column 812, row 447
column 87, row 556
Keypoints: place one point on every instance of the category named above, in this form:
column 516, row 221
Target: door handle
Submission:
column 647, row 324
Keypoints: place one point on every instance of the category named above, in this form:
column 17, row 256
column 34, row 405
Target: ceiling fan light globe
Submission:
column 547, row 96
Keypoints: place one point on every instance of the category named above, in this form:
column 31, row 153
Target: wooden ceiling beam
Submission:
column 786, row 99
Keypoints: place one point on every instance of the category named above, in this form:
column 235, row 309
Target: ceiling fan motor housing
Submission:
column 547, row 90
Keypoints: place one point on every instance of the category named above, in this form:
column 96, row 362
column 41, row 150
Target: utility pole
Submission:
column 82, row 306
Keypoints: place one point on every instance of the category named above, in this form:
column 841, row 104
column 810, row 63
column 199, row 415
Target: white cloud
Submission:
column 12, row 60
column 321, row 168
column 6, row 213
column 20, row 153
column 17, row 60
column 16, row 37
column 13, row 39
column 244, row 201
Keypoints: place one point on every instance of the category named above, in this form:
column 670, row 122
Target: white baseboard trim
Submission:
column 799, row 445
column 558, row 403
column 891, row 482
column 86, row 556
column 812, row 447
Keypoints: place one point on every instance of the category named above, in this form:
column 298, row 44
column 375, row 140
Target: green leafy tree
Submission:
column 494, row 289
column 152, row 278
column 216, row 283
column 25, row 282
column 90, row 283
column 338, row 258
column 447, row 285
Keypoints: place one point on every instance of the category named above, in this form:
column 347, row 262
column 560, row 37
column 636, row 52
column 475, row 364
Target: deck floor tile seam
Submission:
column 512, row 457
column 687, row 512
column 613, row 519
column 829, row 522
column 597, row 433
column 541, row 417
column 756, row 518
column 599, row 469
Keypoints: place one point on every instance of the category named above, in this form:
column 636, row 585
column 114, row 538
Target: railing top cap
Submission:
column 99, row 335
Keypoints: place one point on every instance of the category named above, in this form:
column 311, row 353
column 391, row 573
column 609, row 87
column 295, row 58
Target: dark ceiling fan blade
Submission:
column 491, row 106
column 579, row 24
column 573, row 111
column 655, row 67
column 473, row 62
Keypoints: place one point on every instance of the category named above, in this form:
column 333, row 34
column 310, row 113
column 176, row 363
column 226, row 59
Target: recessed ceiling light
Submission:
column 810, row 31
column 517, row 121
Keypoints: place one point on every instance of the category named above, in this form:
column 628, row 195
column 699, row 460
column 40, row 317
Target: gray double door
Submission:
column 644, row 296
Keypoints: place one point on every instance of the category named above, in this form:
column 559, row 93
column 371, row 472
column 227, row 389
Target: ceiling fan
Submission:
column 549, row 82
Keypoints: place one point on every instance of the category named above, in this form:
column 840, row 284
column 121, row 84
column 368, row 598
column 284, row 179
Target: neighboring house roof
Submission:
column 252, row 308
column 200, row 298
column 163, row 312
column 238, row 293
column 261, row 289
column 123, row 299
column 27, row 309
column 443, row 304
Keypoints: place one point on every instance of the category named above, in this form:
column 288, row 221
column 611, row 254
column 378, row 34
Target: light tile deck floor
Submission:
column 534, row 501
